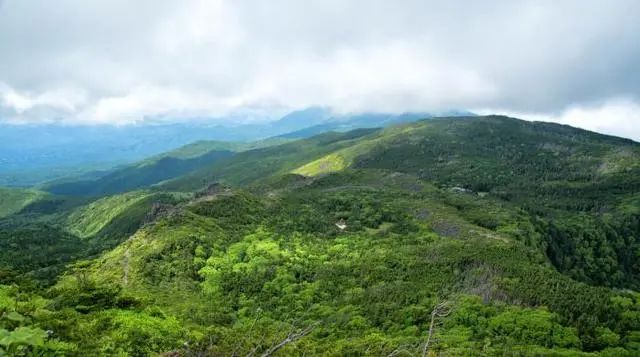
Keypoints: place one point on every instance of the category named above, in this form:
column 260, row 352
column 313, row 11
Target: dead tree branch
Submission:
column 441, row 310
column 291, row 337
column 402, row 349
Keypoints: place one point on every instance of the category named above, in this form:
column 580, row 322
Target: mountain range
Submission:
column 461, row 236
column 32, row 154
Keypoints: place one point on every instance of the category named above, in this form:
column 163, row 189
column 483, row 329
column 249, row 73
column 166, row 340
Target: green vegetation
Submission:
column 38, row 242
column 88, row 220
column 202, row 147
column 490, row 235
column 327, row 164
column 156, row 169
column 553, row 172
column 256, row 165
column 243, row 270
column 137, row 176
column 20, row 330
column 35, row 251
column 12, row 200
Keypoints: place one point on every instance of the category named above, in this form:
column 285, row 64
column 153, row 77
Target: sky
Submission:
column 122, row 61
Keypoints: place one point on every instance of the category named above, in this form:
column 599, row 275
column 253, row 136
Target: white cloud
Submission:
column 393, row 77
column 121, row 61
column 62, row 99
column 618, row 116
column 152, row 101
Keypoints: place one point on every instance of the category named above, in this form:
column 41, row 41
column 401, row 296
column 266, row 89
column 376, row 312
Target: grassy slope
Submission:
column 256, row 165
column 12, row 200
column 345, row 157
column 88, row 220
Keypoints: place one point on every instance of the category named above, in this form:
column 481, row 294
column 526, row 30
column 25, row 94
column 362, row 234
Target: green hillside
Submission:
column 580, row 186
column 242, row 264
column 12, row 200
column 137, row 176
column 156, row 169
column 549, row 170
column 485, row 236
column 50, row 231
column 257, row 165
column 88, row 220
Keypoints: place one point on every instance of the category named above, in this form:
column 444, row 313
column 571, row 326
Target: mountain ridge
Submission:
column 55, row 150
column 526, row 232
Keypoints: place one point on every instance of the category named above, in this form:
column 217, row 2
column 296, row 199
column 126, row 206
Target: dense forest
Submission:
column 452, row 236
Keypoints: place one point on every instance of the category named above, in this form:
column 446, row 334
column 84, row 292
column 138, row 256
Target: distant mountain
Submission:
column 32, row 154
column 354, row 121
column 299, row 120
column 153, row 170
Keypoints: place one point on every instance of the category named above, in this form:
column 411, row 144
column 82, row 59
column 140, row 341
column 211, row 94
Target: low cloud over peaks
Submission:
column 120, row 61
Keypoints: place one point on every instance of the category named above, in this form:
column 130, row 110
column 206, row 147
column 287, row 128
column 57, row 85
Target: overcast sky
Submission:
column 119, row 61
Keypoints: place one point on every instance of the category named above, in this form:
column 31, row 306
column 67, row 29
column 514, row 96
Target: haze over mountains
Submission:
column 32, row 154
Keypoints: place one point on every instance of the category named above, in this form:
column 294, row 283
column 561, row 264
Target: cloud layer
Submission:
column 121, row 61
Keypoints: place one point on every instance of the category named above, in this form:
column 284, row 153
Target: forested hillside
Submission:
column 582, row 188
column 13, row 200
column 155, row 169
column 462, row 236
